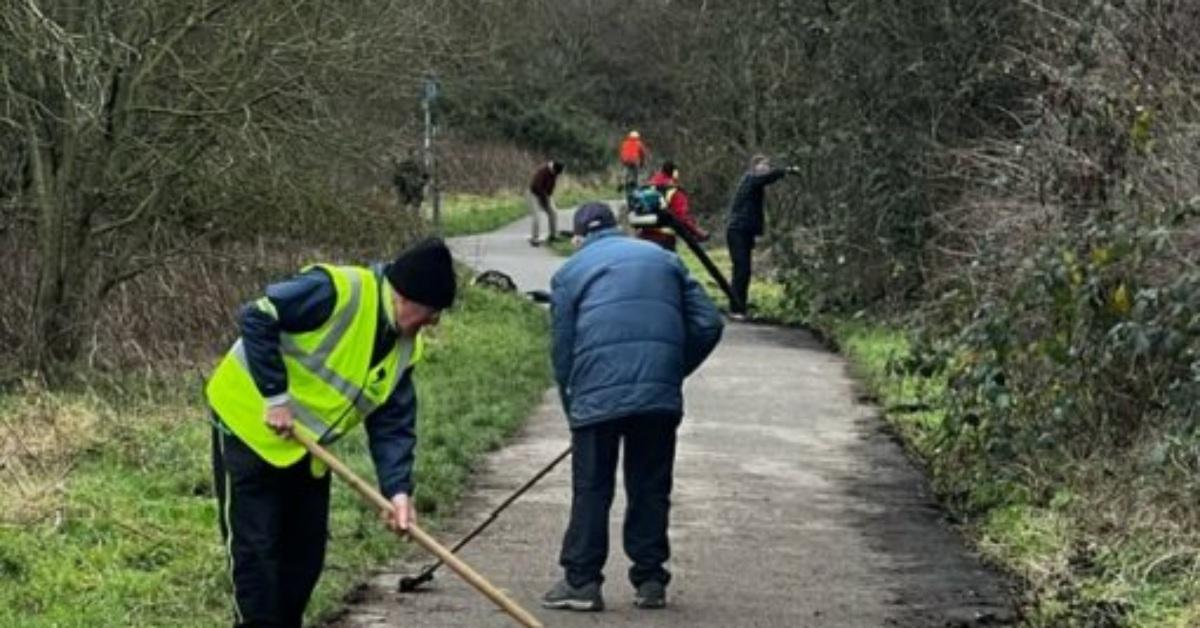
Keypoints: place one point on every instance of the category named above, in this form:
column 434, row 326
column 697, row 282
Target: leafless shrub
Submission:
column 132, row 130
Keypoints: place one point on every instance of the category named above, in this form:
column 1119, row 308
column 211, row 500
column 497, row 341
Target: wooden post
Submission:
column 429, row 97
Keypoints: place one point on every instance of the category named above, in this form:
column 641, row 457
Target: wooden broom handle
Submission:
column 422, row 538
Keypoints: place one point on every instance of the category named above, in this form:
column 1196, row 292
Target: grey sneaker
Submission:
column 566, row 597
column 650, row 594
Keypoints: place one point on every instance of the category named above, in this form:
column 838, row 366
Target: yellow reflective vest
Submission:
column 331, row 383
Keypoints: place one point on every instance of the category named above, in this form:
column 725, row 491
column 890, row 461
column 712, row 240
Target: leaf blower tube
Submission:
column 649, row 212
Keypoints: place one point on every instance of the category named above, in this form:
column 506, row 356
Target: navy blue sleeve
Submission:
column 562, row 340
column 763, row 180
column 392, row 433
column 301, row 303
column 702, row 322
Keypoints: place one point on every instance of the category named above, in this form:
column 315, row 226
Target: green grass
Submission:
column 571, row 192
column 563, row 247
column 1077, row 572
column 130, row 536
column 768, row 301
column 465, row 214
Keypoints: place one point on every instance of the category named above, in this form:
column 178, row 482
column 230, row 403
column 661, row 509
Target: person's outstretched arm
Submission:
column 769, row 177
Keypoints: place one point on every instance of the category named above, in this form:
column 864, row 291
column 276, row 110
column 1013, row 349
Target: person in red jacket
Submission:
column 666, row 179
column 634, row 156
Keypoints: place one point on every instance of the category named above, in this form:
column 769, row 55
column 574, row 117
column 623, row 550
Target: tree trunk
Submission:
column 750, row 108
column 63, row 253
column 49, row 318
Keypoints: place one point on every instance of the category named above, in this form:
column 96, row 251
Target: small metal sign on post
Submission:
column 428, row 97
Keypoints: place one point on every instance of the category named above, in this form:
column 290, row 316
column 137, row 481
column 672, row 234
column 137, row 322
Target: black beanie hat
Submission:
column 424, row 273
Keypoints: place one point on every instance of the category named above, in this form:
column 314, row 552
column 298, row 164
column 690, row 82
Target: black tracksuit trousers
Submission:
column 741, row 247
column 648, row 465
column 275, row 523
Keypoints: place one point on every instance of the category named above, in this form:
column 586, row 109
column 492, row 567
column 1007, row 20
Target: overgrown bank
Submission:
column 1096, row 541
column 1014, row 187
column 1100, row 532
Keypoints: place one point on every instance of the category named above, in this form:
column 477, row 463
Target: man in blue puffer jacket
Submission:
column 629, row 325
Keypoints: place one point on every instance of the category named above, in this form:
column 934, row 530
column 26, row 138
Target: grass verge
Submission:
column 466, row 214
column 1082, row 562
column 108, row 517
column 571, row 191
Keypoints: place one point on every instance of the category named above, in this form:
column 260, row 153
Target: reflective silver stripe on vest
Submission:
column 299, row 412
column 339, row 328
column 325, row 434
column 336, row 332
column 406, row 347
column 315, row 362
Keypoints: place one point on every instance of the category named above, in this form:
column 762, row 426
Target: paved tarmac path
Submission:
column 793, row 506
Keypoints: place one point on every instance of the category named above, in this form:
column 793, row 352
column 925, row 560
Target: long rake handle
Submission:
column 499, row 509
column 423, row 539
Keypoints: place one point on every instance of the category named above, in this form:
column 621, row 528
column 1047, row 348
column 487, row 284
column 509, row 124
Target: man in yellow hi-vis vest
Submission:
column 320, row 352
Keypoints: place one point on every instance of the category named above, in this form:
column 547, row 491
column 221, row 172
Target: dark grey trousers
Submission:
column 741, row 246
column 648, row 466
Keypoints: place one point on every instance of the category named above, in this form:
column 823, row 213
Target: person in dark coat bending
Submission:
column 541, row 199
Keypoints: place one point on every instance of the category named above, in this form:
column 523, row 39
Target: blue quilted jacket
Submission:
column 630, row 324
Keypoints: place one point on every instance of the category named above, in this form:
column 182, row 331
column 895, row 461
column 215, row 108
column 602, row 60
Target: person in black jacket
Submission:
column 746, row 224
